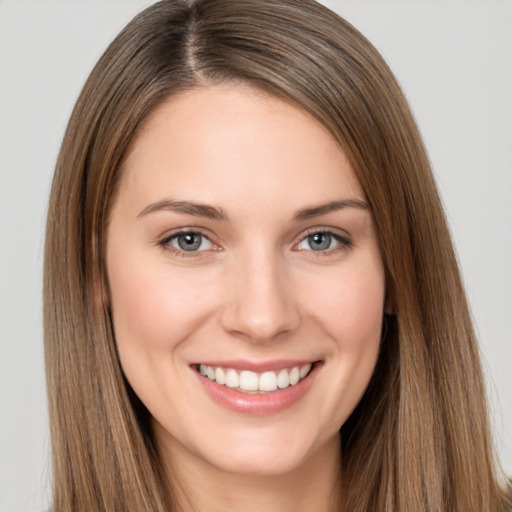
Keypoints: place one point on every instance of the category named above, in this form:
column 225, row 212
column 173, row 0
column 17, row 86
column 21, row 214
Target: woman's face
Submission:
column 241, row 247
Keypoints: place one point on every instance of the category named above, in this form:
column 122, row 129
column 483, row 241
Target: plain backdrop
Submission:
column 454, row 61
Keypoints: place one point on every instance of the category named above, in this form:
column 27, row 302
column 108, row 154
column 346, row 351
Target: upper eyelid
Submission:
column 184, row 231
column 324, row 229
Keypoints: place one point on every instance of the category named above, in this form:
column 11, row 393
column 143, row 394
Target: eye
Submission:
column 188, row 242
column 321, row 241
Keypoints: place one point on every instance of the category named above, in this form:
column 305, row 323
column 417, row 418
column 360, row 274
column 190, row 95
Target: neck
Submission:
column 314, row 485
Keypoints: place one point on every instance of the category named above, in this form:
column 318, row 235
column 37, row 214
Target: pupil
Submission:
column 189, row 242
column 320, row 241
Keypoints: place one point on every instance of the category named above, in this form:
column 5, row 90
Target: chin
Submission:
column 264, row 451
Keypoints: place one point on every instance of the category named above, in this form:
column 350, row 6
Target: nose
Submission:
column 260, row 305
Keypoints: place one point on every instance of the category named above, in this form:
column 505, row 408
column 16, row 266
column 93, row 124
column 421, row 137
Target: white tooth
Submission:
column 294, row 376
column 202, row 369
column 248, row 381
column 210, row 373
column 268, row 381
column 220, row 376
column 232, row 379
column 305, row 370
column 283, row 379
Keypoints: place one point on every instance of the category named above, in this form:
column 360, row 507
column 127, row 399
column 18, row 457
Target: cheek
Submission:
column 363, row 306
column 139, row 316
column 154, row 308
column 351, row 315
column 351, row 310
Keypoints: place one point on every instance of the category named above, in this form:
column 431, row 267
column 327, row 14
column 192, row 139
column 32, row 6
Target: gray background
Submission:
column 454, row 60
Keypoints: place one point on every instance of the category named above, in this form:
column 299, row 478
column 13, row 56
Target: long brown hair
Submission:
column 419, row 439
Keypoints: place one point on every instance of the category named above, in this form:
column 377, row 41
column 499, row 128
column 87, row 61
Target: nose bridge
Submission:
column 260, row 304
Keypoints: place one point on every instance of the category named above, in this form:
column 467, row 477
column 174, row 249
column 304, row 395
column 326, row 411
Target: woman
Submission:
column 251, row 297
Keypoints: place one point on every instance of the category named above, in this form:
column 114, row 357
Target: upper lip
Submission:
column 258, row 366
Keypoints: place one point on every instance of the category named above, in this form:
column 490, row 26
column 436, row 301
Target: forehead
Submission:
column 212, row 141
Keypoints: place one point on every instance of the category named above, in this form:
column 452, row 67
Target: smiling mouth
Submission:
column 250, row 382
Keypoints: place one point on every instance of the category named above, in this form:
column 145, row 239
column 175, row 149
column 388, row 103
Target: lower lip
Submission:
column 255, row 403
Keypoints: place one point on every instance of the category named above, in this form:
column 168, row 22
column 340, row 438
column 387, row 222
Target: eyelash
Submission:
column 343, row 242
column 166, row 243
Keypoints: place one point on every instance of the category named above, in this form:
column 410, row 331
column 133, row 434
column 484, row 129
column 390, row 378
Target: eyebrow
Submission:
column 323, row 209
column 187, row 207
column 211, row 212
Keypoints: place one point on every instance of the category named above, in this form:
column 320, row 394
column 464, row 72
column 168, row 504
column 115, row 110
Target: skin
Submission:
column 255, row 291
